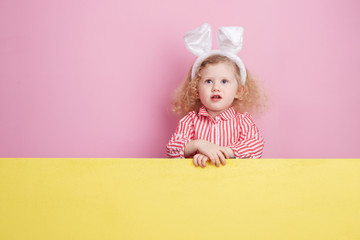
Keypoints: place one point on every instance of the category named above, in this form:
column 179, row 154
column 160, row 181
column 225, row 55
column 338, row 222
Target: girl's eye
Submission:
column 208, row 81
column 224, row 81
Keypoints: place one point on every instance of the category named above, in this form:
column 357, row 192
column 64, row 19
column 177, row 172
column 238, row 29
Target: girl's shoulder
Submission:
column 243, row 116
column 188, row 117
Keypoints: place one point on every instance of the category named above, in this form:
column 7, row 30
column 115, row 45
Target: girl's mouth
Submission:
column 216, row 98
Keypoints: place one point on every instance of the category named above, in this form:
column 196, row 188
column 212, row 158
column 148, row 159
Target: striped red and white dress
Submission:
column 228, row 129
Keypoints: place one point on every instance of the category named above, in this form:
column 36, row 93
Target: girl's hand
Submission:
column 200, row 160
column 211, row 151
column 214, row 152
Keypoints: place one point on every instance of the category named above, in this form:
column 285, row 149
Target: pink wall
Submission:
column 94, row 78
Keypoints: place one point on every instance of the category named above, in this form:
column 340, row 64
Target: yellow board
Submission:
column 171, row 199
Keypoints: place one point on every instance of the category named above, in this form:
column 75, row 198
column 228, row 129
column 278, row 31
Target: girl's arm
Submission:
column 250, row 143
column 183, row 135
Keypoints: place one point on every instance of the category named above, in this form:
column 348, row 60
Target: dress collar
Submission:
column 226, row 115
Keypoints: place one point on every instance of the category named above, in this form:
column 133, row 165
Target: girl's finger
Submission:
column 226, row 154
column 203, row 160
column 222, row 158
column 212, row 158
column 195, row 160
column 198, row 159
column 216, row 159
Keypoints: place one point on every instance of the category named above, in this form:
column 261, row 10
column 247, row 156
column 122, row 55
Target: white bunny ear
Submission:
column 230, row 39
column 199, row 40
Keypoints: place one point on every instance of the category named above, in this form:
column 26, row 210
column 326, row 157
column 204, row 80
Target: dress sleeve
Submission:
column 250, row 143
column 183, row 135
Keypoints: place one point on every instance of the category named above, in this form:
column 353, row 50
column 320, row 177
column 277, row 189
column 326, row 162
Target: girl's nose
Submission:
column 215, row 87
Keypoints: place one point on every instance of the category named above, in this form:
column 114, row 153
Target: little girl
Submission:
column 216, row 96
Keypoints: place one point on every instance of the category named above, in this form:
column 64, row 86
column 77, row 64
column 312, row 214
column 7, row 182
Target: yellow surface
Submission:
column 171, row 199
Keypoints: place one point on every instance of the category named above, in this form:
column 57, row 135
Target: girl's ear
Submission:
column 240, row 92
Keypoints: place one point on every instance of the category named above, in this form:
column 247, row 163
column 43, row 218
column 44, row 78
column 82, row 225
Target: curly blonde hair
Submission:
column 252, row 96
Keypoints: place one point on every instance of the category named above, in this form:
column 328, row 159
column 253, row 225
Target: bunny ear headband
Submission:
column 230, row 40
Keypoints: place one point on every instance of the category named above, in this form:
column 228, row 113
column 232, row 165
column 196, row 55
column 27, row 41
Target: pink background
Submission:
column 94, row 78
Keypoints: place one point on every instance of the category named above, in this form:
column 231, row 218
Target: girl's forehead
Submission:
column 221, row 68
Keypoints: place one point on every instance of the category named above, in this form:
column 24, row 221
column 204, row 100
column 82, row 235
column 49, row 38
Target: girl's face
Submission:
column 218, row 87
